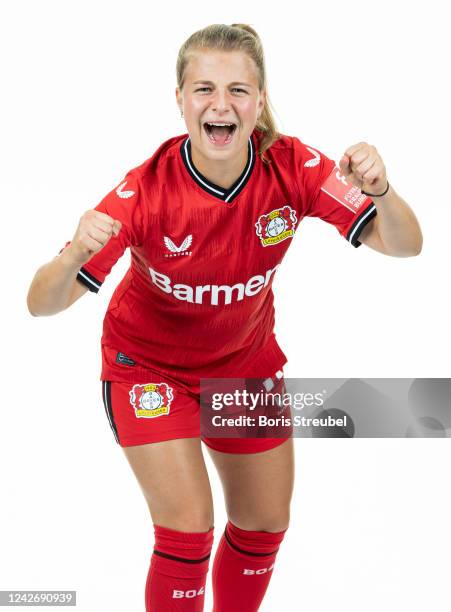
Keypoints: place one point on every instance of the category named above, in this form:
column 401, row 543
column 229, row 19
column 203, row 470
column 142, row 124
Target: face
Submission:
column 220, row 87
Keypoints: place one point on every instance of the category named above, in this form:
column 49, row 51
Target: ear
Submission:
column 179, row 98
column 261, row 102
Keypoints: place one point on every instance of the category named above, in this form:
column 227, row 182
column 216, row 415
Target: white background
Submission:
column 88, row 93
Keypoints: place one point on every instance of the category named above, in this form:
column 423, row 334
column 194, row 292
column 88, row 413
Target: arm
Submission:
column 54, row 286
column 395, row 231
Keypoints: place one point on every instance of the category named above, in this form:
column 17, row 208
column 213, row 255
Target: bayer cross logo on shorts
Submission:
column 276, row 226
column 151, row 400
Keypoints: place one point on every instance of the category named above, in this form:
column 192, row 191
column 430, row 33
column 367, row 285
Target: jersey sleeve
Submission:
column 123, row 203
column 325, row 193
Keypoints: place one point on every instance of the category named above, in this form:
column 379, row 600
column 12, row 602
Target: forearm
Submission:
column 51, row 287
column 397, row 225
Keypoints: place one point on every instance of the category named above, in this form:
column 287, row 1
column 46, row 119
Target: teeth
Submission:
column 221, row 124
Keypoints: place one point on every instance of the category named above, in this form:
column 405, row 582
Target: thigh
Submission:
column 257, row 487
column 174, row 479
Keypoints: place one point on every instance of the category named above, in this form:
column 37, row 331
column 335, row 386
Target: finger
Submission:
column 365, row 166
column 352, row 149
column 377, row 171
column 344, row 165
column 86, row 242
column 352, row 178
column 117, row 227
column 102, row 216
column 107, row 223
column 99, row 235
column 104, row 226
column 359, row 156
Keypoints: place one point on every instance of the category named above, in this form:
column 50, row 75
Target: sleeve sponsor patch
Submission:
column 344, row 192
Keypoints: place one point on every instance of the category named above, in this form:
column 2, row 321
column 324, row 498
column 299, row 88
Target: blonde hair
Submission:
column 236, row 37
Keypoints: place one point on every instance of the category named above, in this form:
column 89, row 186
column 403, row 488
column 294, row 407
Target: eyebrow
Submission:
column 211, row 83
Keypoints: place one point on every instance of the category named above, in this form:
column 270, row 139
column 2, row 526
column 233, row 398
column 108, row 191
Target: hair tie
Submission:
column 376, row 195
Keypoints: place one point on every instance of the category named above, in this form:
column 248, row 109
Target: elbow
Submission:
column 413, row 252
column 33, row 292
column 33, row 307
column 418, row 242
column 410, row 250
column 418, row 247
column 30, row 307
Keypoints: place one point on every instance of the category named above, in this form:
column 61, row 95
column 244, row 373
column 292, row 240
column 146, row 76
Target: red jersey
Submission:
column 197, row 300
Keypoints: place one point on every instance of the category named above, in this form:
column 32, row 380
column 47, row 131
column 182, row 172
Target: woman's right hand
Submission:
column 93, row 232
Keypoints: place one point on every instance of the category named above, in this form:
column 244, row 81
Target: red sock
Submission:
column 242, row 568
column 178, row 570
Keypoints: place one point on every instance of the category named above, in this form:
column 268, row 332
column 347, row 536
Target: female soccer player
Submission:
column 208, row 219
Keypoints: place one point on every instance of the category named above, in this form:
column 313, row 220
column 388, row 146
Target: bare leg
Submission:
column 258, row 487
column 174, row 480
column 257, row 490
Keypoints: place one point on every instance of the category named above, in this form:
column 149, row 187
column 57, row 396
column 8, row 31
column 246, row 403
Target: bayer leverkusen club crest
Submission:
column 151, row 400
column 276, row 226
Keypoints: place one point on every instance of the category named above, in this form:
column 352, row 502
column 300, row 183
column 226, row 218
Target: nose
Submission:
column 220, row 102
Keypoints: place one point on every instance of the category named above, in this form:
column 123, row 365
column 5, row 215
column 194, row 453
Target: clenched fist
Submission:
column 362, row 165
column 93, row 232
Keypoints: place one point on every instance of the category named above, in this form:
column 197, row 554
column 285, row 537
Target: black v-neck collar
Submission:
column 227, row 195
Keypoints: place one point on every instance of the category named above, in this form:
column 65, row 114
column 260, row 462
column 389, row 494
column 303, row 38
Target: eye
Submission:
column 233, row 89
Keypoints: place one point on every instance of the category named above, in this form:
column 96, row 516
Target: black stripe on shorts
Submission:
column 106, row 396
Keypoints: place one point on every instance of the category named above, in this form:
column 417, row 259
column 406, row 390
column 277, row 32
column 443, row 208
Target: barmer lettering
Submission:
column 195, row 295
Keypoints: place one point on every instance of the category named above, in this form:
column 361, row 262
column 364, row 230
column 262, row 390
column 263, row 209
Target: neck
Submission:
column 223, row 173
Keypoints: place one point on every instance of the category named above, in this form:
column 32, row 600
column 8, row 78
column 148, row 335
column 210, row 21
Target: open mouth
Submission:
column 220, row 133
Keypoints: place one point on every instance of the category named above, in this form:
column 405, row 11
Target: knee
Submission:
column 272, row 522
column 190, row 521
column 191, row 524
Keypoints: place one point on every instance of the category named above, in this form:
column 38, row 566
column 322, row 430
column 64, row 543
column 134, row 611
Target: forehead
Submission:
column 214, row 65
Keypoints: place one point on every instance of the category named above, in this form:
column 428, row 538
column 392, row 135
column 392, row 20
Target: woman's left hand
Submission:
column 362, row 165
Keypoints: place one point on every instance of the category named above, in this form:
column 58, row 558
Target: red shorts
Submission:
column 158, row 410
